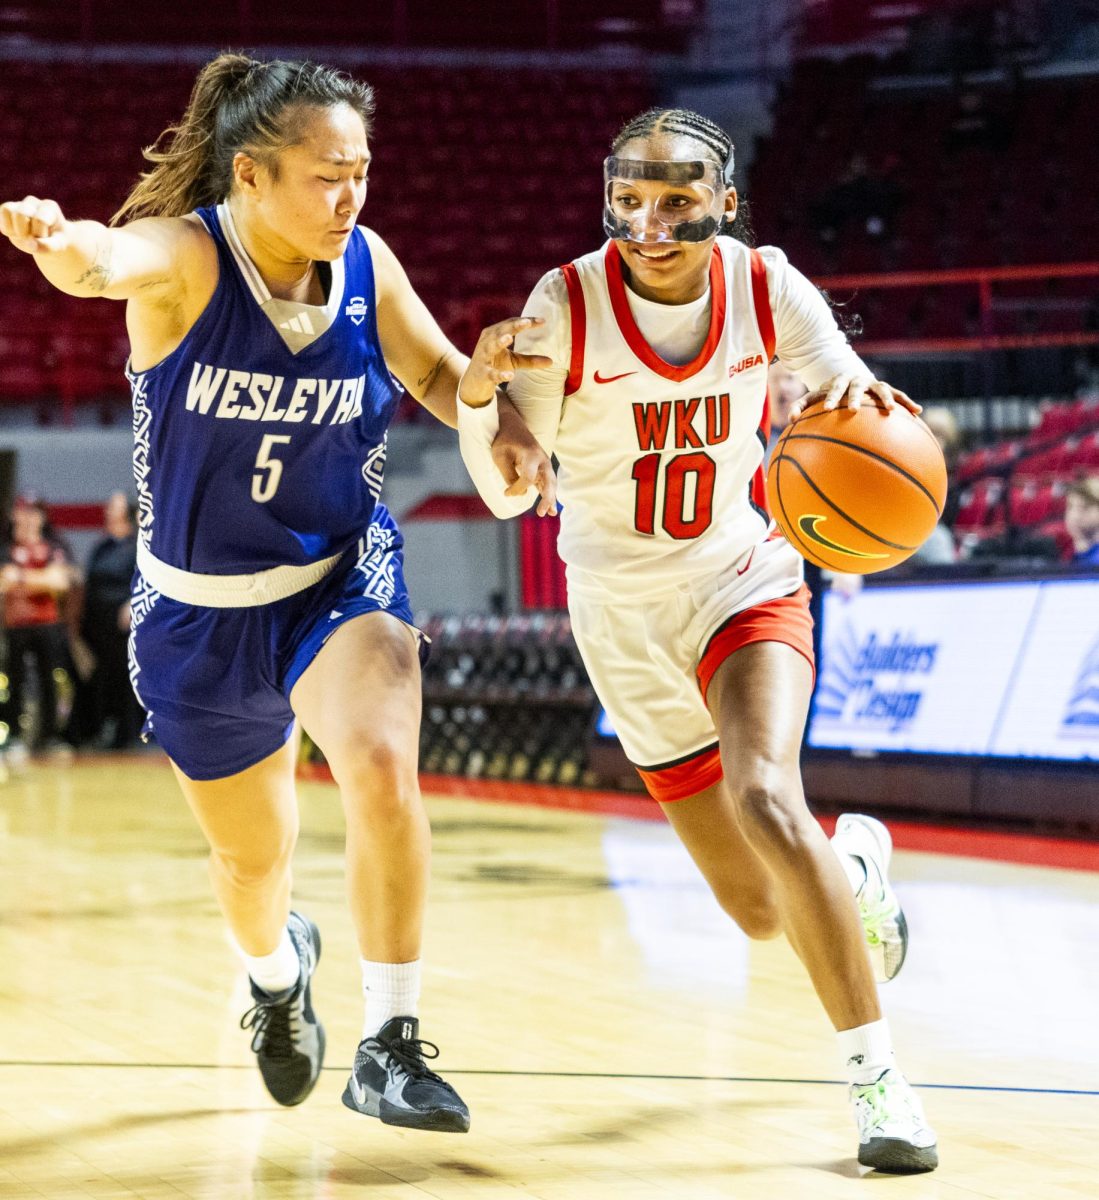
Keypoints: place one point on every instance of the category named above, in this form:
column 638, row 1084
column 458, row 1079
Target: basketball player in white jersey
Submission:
column 689, row 609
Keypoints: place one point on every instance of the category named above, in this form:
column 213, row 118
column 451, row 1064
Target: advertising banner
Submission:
column 1005, row 669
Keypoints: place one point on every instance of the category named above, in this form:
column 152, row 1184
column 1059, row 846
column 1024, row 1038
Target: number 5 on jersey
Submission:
column 265, row 482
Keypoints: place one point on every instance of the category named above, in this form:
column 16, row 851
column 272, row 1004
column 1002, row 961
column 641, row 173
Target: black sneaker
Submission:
column 391, row 1081
column 288, row 1038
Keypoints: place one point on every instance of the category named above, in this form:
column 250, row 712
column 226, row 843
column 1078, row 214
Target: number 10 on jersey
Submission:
column 686, row 476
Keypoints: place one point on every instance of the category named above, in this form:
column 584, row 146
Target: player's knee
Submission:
column 255, row 867
column 757, row 915
column 377, row 774
column 762, row 923
column 769, row 808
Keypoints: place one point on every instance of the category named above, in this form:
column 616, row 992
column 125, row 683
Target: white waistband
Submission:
column 230, row 591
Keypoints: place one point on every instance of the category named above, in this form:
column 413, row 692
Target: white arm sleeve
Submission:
column 807, row 339
column 537, row 395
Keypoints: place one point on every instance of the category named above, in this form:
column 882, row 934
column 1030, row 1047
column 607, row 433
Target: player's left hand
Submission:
column 849, row 391
column 522, row 462
column 494, row 361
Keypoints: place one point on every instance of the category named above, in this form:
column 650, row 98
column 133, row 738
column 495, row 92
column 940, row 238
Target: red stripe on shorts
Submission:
column 683, row 779
column 786, row 619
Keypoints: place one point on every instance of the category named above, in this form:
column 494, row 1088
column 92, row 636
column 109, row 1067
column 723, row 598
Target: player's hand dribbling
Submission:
column 849, row 391
column 34, row 225
column 494, row 361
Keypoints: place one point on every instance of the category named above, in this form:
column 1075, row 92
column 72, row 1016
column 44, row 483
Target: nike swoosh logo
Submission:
column 741, row 570
column 357, row 1090
column 808, row 525
column 611, row 378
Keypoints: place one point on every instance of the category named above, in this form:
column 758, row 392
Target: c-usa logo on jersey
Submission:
column 356, row 310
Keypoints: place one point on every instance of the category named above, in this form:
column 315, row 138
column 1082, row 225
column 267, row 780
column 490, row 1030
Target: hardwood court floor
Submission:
column 614, row 1036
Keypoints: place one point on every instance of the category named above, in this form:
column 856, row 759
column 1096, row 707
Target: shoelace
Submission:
column 873, row 912
column 276, row 1026
column 872, row 1095
column 410, row 1054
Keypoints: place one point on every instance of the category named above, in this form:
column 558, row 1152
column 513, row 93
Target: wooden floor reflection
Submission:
column 613, row 1034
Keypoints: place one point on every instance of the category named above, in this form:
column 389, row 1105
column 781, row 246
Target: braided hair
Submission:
column 718, row 144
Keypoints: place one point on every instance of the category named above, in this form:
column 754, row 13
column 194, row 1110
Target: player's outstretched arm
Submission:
column 415, row 348
column 85, row 258
column 432, row 369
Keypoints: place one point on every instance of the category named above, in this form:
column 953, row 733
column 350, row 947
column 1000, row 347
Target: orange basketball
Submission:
column 857, row 490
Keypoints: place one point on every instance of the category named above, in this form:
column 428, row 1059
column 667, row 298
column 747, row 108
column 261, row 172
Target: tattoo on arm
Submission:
column 428, row 380
column 98, row 276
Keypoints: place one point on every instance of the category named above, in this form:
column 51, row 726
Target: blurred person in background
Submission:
column 106, row 709
column 1082, row 520
column 35, row 575
column 785, row 390
column 939, row 549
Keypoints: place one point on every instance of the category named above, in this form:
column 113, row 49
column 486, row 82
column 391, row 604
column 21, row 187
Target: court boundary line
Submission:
column 640, row 1075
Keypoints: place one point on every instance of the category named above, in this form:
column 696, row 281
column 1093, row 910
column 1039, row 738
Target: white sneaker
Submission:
column 881, row 912
column 894, row 1135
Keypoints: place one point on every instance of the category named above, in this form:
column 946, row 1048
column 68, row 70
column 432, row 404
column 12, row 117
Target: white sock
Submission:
column 391, row 990
column 277, row 971
column 866, row 1051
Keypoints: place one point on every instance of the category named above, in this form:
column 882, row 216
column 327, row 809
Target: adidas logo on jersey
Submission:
column 356, row 310
column 745, row 364
column 299, row 323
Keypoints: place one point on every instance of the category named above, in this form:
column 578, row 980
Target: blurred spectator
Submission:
column 1082, row 520
column 34, row 575
column 944, row 425
column 783, row 388
column 106, row 709
column 939, row 549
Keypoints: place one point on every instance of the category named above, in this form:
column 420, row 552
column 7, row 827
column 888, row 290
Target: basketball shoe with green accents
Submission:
column 883, row 918
column 894, row 1136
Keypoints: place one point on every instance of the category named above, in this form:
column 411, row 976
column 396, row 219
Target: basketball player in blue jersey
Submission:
column 688, row 608
column 268, row 332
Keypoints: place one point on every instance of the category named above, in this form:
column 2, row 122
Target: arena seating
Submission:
column 482, row 181
column 857, row 177
column 662, row 25
column 1018, row 484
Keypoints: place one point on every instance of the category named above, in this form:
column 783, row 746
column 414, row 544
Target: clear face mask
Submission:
column 652, row 201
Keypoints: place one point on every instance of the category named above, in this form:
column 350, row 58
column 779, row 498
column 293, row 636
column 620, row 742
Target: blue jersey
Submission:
column 248, row 455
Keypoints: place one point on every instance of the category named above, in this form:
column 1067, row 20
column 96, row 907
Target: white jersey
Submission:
column 659, row 464
column 660, row 476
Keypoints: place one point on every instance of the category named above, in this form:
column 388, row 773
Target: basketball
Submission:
column 857, row 490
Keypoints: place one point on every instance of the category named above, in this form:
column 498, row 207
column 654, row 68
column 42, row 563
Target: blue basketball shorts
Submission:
column 215, row 682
